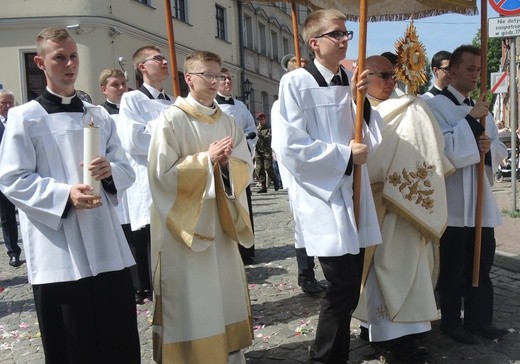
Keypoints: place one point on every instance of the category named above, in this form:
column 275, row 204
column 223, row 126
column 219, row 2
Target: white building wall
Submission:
column 141, row 25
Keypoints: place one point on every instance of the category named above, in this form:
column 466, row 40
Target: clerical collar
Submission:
column 373, row 100
column 153, row 91
column 227, row 98
column 223, row 100
column 114, row 104
column 65, row 100
column 325, row 72
column 52, row 103
column 460, row 97
column 201, row 108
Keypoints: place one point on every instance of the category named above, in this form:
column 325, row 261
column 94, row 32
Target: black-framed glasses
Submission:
column 210, row 77
column 157, row 58
column 445, row 69
column 339, row 35
column 384, row 75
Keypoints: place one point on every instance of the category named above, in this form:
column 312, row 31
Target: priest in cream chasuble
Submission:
column 199, row 216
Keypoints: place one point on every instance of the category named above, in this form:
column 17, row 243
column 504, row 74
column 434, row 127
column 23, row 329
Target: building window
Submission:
column 221, row 22
column 265, row 103
column 248, row 31
column 179, row 9
column 263, row 40
column 274, row 45
column 34, row 77
column 145, row 2
column 285, row 46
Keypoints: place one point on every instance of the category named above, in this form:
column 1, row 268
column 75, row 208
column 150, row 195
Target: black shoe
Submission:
column 262, row 190
column 324, row 287
column 408, row 352
column 141, row 297
column 489, row 331
column 311, row 286
column 15, row 261
column 363, row 335
column 459, row 334
column 276, row 186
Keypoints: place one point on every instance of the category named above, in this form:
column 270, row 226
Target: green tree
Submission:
column 494, row 55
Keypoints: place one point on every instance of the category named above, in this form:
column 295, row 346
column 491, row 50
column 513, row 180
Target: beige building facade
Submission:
column 251, row 38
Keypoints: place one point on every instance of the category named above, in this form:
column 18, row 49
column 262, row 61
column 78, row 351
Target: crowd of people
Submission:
column 173, row 219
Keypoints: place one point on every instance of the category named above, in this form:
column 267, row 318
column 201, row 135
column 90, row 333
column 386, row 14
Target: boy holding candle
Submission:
column 77, row 255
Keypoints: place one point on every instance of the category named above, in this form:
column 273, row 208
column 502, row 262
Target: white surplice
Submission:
column 122, row 209
column 316, row 125
column 284, row 173
column 40, row 163
column 243, row 118
column 462, row 151
column 136, row 115
column 202, row 309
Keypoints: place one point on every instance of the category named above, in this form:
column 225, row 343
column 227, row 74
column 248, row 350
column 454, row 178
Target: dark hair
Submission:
column 456, row 56
column 439, row 57
column 392, row 57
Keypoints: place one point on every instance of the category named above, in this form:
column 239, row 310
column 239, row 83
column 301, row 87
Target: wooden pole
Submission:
column 481, row 165
column 171, row 47
column 294, row 16
column 360, row 101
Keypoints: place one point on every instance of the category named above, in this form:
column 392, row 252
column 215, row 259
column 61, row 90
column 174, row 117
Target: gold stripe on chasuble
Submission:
column 183, row 216
column 214, row 349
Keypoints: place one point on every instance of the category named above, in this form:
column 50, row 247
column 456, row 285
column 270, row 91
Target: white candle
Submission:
column 90, row 152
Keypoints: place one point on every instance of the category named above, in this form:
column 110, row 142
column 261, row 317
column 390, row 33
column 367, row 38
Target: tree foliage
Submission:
column 494, row 56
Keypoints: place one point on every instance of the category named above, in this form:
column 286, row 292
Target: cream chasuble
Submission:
column 407, row 175
column 202, row 308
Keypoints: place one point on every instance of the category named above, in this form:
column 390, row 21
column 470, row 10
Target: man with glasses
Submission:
column 319, row 152
column 136, row 114
column 440, row 69
column 199, row 168
column 458, row 116
column 407, row 176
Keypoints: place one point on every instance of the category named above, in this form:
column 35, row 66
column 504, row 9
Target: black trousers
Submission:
column 9, row 226
column 305, row 265
column 91, row 321
column 247, row 253
column 455, row 279
column 332, row 341
column 140, row 247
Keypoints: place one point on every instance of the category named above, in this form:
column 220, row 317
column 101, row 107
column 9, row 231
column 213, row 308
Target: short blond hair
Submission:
column 316, row 22
column 200, row 56
column 52, row 34
column 140, row 56
column 110, row 72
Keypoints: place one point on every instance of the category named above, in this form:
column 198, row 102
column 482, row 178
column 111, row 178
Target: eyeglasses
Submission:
column 445, row 69
column 157, row 58
column 384, row 75
column 210, row 77
column 339, row 35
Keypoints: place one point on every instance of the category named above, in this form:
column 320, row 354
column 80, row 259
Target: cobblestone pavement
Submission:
column 284, row 318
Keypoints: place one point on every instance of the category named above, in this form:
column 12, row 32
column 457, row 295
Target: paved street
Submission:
column 284, row 318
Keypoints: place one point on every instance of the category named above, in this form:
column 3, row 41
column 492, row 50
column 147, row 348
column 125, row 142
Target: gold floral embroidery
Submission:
column 415, row 186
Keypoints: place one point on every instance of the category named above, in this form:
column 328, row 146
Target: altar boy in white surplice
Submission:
column 316, row 123
column 77, row 254
column 199, row 167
